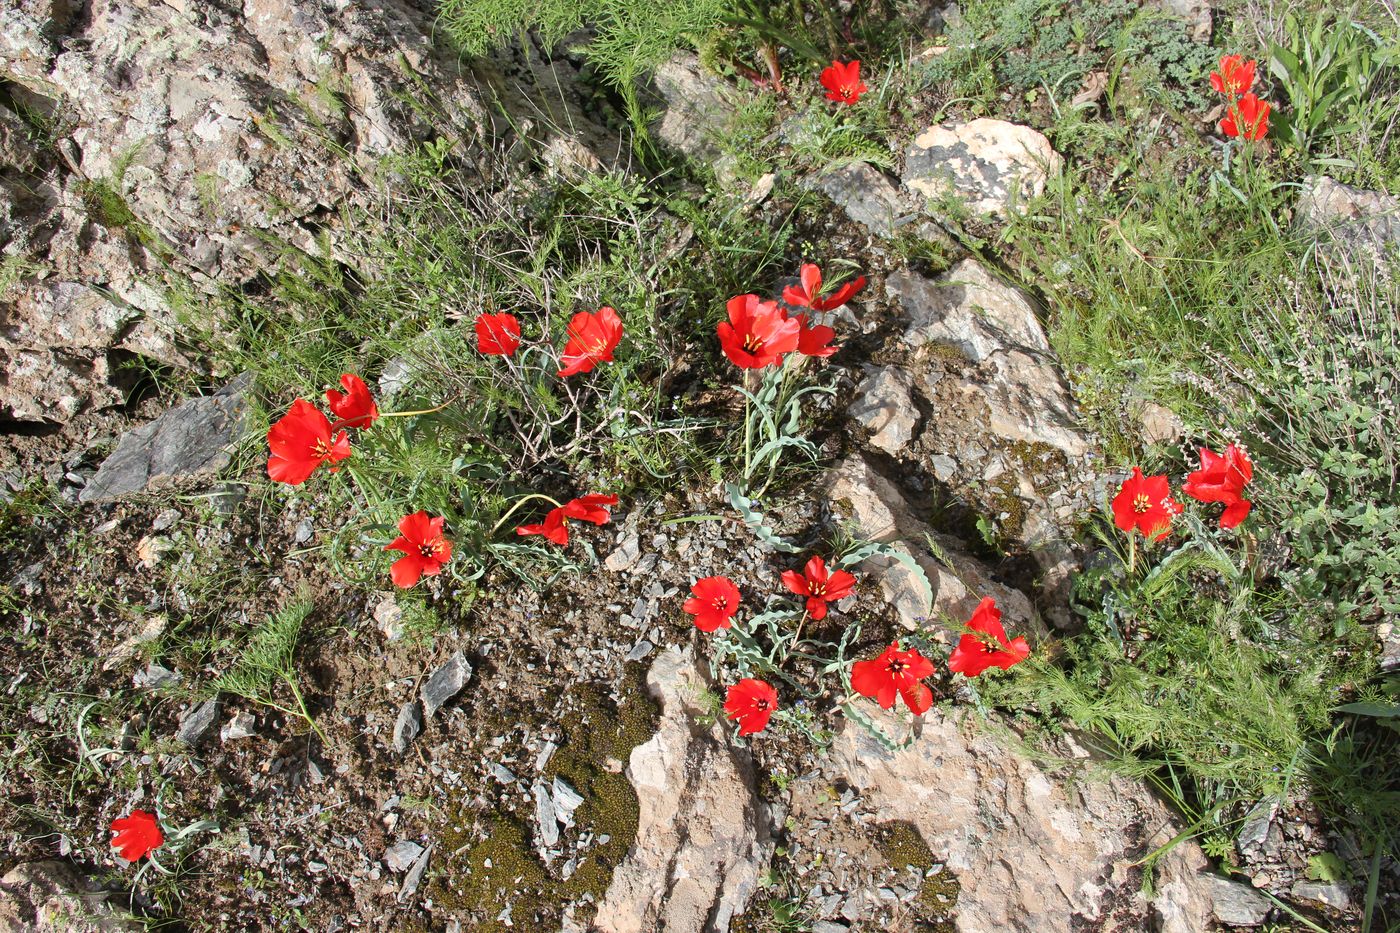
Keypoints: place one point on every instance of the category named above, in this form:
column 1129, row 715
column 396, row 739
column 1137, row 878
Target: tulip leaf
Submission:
column 858, row 716
column 1378, row 710
column 755, row 520
column 870, row 549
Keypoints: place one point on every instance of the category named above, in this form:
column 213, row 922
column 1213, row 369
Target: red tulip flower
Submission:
column 986, row 644
column 300, row 441
column 592, row 339
column 750, row 703
column 895, row 673
column 842, row 82
column 807, row 294
column 1145, row 503
column 425, row 549
column 819, row 586
column 713, row 602
column 1222, row 478
column 1249, row 118
column 355, row 406
column 814, row 340
column 137, row 835
column 757, row 333
column 590, row 508
column 1235, row 75
column 497, row 334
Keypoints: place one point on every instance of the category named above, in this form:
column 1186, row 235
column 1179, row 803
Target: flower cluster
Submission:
column 1247, row 115
column 894, row 674
column 304, row 438
column 1144, row 503
column 759, row 333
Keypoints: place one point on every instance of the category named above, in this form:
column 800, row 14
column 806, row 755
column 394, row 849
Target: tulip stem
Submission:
column 422, row 411
column 1132, row 552
column 518, row 503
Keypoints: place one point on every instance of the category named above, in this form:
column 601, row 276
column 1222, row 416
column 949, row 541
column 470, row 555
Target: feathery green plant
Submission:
column 269, row 658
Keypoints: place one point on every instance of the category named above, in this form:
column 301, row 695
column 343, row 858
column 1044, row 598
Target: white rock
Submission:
column 991, row 165
column 701, row 845
column 1033, row 852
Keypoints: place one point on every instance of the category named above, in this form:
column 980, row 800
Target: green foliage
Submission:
column 629, row 37
column 1031, row 46
column 1322, row 388
column 1331, row 71
column 268, row 659
column 390, row 298
column 1199, row 679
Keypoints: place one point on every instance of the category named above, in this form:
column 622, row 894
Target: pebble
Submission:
column 243, row 725
column 546, row 819
column 640, row 650
column 401, row 855
column 407, row 726
column 445, row 683
column 197, row 721
column 415, row 875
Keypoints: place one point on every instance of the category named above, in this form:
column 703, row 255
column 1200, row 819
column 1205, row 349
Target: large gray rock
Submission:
column 878, row 511
column 991, row 166
column 1003, row 430
column 698, row 108
column 883, row 407
column 867, row 196
column 191, row 441
column 702, row 841
column 445, row 683
column 1349, row 217
column 1237, row 904
column 200, row 136
column 50, row 897
column 1034, row 851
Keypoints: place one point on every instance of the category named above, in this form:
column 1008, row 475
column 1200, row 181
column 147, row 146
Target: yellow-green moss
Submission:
column 597, row 732
column 902, row 846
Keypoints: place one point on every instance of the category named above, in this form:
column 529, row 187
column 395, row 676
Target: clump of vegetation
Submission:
column 268, row 659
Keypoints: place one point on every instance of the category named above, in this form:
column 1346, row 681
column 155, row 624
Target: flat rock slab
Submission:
column 445, row 683
column 702, row 845
column 192, row 440
column 198, row 721
column 407, row 726
column 50, row 897
column 1033, row 851
column 990, row 165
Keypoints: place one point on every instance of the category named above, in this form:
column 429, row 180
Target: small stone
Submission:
column 546, row 753
column 155, row 676
column 401, row 855
column 415, row 875
column 640, row 650
column 389, row 617
column 150, row 549
column 566, row 801
column 624, row 555
column 501, row 773
column 304, row 530
column 546, row 819
column 1237, row 904
column 1333, row 895
column 166, row 520
column 243, row 725
column 445, row 683
column 829, row 926
column 407, row 726
column 197, row 721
